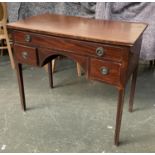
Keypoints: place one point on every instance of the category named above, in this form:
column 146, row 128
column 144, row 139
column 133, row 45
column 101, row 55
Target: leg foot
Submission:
column 50, row 73
column 119, row 115
column 21, row 85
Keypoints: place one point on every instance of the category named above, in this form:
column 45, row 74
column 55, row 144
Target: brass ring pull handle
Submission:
column 104, row 70
column 27, row 38
column 24, row 55
column 100, row 51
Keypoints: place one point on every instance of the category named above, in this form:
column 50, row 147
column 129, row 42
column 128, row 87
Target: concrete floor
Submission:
column 76, row 116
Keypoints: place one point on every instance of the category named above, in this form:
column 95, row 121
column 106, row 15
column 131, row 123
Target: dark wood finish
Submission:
column 113, row 75
column 50, row 73
column 46, row 54
column 119, row 115
column 104, row 31
column 21, row 85
column 108, row 51
column 73, row 46
column 30, row 56
column 132, row 91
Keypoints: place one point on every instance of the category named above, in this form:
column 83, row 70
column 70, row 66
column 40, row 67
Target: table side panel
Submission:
column 134, row 57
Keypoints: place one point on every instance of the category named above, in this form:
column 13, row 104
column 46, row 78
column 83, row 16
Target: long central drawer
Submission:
column 98, row 50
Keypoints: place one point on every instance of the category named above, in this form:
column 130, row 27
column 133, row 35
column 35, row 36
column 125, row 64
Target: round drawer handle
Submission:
column 104, row 70
column 100, row 51
column 27, row 38
column 24, row 55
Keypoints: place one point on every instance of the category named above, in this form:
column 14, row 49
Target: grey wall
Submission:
column 21, row 10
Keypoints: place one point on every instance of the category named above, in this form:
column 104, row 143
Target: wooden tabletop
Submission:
column 113, row 32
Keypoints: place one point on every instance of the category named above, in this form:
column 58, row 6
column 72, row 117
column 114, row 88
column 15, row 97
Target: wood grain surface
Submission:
column 122, row 33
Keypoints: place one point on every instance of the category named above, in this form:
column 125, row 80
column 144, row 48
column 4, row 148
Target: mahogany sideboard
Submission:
column 108, row 51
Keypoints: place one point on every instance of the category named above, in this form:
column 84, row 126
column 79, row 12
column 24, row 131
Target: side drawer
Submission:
column 25, row 54
column 106, row 71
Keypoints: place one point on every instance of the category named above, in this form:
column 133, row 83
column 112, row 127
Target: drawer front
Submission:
column 101, row 51
column 25, row 54
column 106, row 71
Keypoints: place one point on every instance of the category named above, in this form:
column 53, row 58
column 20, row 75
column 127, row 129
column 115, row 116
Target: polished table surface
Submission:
column 104, row 31
column 108, row 51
